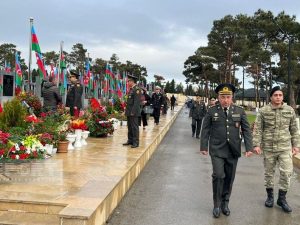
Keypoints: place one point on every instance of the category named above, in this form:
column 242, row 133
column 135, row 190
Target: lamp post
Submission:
column 289, row 71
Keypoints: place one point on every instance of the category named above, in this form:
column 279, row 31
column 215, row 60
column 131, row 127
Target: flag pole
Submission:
column 30, row 51
column 59, row 63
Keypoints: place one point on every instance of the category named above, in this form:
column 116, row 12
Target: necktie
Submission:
column 225, row 111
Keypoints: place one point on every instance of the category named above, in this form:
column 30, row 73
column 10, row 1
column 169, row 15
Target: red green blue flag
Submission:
column 36, row 47
column 18, row 70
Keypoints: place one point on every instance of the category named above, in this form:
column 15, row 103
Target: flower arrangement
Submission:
column 98, row 123
column 32, row 100
column 78, row 124
column 29, row 148
column 46, row 138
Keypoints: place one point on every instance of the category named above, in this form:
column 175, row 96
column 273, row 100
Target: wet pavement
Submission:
column 175, row 188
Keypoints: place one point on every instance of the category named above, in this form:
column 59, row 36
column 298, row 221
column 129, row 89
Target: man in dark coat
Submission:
column 157, row 101
column 221, row 132
column 133, row 112
column 74, row 101
column 173, row 100
column 198, row 111
column 51, row 95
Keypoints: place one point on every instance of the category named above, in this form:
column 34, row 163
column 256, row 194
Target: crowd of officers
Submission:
column 137, row 101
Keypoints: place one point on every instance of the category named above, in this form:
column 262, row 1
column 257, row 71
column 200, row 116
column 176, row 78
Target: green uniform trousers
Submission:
column 285, row 163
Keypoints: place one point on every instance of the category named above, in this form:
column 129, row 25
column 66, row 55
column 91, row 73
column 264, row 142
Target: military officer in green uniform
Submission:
column 74, row 94
column 133, row 112
column 276, row 134
column 223, row 127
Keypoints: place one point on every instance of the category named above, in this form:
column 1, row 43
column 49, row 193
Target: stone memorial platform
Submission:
column 81, row 187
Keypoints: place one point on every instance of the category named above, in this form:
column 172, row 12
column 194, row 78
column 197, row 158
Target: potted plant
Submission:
column 62, row 142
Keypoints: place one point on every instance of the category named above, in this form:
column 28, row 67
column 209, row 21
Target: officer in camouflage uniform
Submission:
column 198, row 111
column 276, row 133
column 74, row 94
column 221, row 132
column 133, row 112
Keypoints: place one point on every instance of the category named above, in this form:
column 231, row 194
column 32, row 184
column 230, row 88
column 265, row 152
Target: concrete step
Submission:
column 25, row 218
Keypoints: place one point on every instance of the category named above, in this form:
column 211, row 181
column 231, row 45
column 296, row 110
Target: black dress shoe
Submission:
column 134, row 146
column 127, row 143
column 225, row 209
column 216, row 212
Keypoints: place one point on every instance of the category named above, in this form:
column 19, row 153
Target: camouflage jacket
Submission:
column 276, row 129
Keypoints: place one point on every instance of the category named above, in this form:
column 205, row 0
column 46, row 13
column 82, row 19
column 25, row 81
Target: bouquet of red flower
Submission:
column 98, row 123
column 78, row 124
column 46, row 138
column 3, row 139
column 32, row 119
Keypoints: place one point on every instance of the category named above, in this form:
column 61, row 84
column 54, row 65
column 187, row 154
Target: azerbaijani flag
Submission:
column 87, row 75
column 111, row 77
column 7, row 67
column 40, row 63
column 35, row 43
column 18, row 70
column 36, row 47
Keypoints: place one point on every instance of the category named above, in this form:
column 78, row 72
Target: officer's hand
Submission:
column 204, row 152
column 295, row 150
column 248, row 154
column 257, row 150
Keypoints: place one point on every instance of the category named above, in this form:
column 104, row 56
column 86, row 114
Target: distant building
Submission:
column 249, row 97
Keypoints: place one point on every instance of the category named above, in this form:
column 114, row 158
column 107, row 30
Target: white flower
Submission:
column 17, row 147
column 28, row 151
column 17, row 156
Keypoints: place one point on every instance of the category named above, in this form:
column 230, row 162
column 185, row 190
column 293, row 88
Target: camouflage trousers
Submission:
column 285, row 164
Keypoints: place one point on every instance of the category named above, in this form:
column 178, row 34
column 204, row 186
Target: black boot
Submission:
column 281, row 201
column 225, row 208
column 217, row 195
column 193, row 130
column 270, row 199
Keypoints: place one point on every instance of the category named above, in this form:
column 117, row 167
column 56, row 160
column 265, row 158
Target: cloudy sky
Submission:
column 158, row 34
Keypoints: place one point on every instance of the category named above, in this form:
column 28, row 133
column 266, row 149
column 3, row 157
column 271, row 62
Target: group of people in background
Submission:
column 53, row 98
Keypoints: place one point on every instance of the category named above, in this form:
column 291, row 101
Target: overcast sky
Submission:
column 158, row 34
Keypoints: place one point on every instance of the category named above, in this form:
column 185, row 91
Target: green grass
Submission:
column 251, row 118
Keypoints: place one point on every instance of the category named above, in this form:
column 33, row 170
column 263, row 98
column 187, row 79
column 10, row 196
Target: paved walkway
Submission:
column 83, row 185
column 175, row 189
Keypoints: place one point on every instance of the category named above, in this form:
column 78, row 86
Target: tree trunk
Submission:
column 292, row 98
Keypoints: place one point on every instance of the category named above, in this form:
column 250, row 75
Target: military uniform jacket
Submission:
column 133, row 106
column 276, row 129
column 198, row 110
column 222, row 135
column 74, row 96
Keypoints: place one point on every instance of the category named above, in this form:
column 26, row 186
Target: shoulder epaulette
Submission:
column 214, row 106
